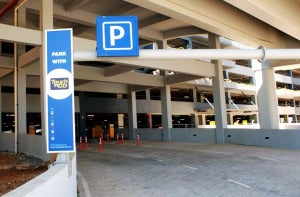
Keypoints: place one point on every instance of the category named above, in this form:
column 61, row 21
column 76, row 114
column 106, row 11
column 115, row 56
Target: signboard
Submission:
column 117, row 36
column 59, row 91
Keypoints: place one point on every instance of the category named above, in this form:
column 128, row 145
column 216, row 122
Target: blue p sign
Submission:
column 117, row 36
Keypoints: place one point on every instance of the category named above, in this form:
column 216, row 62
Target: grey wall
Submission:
column 7, row 142
column 34, row 145
column 205, row 136
column 262, row 137
column 150, row 134
column 255, row 137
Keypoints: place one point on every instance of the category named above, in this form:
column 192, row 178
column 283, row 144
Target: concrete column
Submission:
column 46, row 22
column 166, row 112
column 132, row 114
column 148, row 99
column 22, row 115
column 165, row 95
column 82, row 109
column 20, row 84
column 228, row 97
column 266, row 95
column 218, row 92
column 203, row 117
column 195, row 117
column 230, row 118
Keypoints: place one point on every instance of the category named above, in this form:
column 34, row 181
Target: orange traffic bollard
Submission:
column 122, row 138
column 138, row 140
column 100, row 144
column 85, row 142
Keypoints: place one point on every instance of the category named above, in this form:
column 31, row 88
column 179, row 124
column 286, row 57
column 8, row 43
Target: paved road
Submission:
column 187, row 169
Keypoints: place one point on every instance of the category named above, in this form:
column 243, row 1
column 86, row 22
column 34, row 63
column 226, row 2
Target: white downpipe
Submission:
column 198, row 54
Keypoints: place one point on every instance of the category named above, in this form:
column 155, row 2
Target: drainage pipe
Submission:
column 199, row 54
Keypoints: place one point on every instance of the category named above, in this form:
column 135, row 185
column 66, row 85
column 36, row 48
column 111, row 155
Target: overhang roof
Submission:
column 252, row 23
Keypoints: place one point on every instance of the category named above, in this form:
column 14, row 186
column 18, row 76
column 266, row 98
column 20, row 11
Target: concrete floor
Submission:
column 187, row 169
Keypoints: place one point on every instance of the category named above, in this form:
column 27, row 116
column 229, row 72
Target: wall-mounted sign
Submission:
column 59, row 91
column 117, row 36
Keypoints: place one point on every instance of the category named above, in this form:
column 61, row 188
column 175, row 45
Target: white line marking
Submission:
column 159, row 160
column 265, row 158
column 239, row 183
column 84, row 184
column 190, row 167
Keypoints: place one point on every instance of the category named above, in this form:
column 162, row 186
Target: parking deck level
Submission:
column 187, row 169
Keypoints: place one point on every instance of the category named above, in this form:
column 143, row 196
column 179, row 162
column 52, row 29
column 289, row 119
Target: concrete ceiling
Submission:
column 250, row 22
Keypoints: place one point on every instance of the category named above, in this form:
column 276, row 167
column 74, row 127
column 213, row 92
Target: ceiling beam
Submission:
column 228, row 21
column 76, row 16
column 6, row 62
column 29, row 57
column 137, row 88
column 5, row 71
column 75, row 4
column 157, row 18
column 183, row 31
column 283, row 15
column 180, row 78
column 133, row 78
column 96, row 86
column 89, row 19
column 118, row 69
column 150, row 34
column 124, row 10
column 22, row 35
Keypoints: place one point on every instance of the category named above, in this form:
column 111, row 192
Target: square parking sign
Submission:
column 117, row 36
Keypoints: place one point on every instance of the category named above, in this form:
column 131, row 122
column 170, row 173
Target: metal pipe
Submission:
column 8, row 7
column 199, row 54
column 16, row 110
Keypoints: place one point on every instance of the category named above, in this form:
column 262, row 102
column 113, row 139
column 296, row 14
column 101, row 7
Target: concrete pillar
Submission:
column 165, row 95
column 132, row 114
column 82, row 109
column 166, row 112
column 148, row 100
column 228, row 97
column 195, row 117
column 20, row 84
column 266, row 95
column 218, row 92
column 46, row 22
column 22, row 115
column 121, row 121
column 203, row 117
column 230, row 118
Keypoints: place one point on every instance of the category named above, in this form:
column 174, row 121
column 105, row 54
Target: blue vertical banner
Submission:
column 59, row 91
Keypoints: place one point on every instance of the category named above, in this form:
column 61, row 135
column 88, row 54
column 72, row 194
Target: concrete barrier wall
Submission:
column 34, row 145
column 205, row 136
column 262, row 137
column 150, row 134
column 59, row 180
column 7, row 142
column 258, row 137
